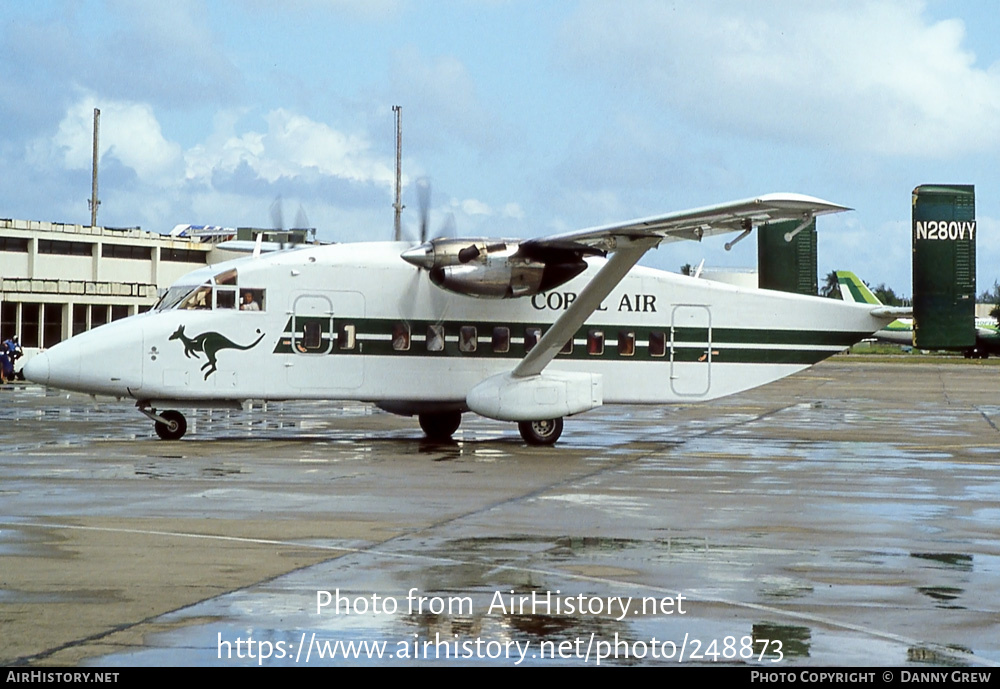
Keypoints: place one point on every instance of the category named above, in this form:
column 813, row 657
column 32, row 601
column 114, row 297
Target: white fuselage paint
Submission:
column 357, row 283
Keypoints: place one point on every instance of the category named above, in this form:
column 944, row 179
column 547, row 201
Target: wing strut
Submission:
column 607, row 278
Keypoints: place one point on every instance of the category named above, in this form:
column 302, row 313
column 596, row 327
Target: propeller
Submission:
column 447, row 229
column 424, row 199
column 278, row 221
column 439, row 299
column 277, row 215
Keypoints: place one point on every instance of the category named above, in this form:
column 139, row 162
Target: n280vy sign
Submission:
column 944, row 229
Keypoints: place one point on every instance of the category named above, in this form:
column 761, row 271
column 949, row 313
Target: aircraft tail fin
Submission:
column 853, row 289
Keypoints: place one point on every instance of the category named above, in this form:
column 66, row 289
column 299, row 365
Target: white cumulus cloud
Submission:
column 129, row 132
column 292, row 145
column 879, row 76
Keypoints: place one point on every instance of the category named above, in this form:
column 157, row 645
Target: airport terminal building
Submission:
column 58, row 280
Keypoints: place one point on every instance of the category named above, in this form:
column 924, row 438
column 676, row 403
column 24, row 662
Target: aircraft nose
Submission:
column 37, row 369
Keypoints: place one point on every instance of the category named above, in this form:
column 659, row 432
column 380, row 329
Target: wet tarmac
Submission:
column 849, row 515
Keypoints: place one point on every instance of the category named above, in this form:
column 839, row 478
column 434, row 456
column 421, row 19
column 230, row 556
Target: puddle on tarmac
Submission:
column 468, row 591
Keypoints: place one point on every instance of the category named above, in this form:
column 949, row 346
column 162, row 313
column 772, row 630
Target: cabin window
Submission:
column 626, row 343
column 468, row 340
column 435, row 338
column 657, row 343
column 252, row 300
column 501, row 340
column 312, row 337
column 346, row 336
column 568, row 347
column 531, row 337
column 401, row 337
column 595, row 342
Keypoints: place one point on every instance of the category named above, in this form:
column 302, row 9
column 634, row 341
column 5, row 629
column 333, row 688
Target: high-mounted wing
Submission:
column 695, row 224
column 525, row 393
column 631, row 240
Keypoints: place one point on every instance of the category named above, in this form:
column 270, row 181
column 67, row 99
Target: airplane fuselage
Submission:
column 354, row 321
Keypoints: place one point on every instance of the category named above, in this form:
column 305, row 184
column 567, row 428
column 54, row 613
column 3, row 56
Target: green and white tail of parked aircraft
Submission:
column 900, row 331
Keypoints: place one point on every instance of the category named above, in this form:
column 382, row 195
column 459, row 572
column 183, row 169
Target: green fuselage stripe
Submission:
column 373, row 337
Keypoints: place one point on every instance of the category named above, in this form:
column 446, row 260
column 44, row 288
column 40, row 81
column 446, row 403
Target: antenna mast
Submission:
column 397, row 206
column 94, row 203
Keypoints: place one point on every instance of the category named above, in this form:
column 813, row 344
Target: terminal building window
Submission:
column 126, row 251
column 8, row 319
column 80, row 318
column 52, row 315
column 98, row 315
column 30, row 319
column 51, row 246
column 14, row 244
column 182, row 255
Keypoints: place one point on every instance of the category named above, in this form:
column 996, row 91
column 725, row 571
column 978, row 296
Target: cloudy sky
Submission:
column 528, row 117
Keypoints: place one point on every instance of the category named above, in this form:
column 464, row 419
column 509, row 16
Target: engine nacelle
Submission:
column 439, row 253
column 505, row 277
column 497, row 269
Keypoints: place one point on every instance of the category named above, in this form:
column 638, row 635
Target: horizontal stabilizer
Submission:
column 893, row 311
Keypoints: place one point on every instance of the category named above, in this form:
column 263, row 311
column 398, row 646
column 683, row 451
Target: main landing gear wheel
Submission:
column 442, row 425
column 544, row 432
column 174, row 429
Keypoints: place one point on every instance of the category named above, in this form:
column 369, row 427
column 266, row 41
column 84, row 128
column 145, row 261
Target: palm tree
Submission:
column 831, row 287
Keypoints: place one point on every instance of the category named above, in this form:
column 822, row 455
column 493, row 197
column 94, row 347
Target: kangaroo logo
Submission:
column 209, row 343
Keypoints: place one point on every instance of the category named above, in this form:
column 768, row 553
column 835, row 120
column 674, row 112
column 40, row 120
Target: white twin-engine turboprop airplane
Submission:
column 524, row 330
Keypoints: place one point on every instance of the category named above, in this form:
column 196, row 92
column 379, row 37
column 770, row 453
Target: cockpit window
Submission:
column 172, row 297
column 218, row 292
column 200, row 298
column 251, row 300
column 225, row 297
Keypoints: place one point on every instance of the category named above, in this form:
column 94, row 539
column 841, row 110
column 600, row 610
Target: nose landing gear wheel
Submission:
column 174, row 428
column 544, row 432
